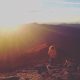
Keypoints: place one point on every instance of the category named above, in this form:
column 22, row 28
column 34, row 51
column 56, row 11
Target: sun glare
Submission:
column 9, row 30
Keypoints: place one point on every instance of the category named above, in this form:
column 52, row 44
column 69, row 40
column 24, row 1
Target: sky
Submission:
column 17, row 12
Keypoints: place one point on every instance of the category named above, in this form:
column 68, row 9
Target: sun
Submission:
column 9, row 30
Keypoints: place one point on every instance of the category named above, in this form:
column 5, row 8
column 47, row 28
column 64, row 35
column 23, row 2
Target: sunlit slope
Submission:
column 29, row 45
column 14, row 46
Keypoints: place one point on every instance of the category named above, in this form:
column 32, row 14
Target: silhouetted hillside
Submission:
column 65, row 36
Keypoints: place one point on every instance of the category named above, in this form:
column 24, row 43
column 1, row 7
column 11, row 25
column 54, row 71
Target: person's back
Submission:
column 52, row 54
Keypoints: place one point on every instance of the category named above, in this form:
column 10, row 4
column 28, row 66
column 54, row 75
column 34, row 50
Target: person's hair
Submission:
column 51, row 47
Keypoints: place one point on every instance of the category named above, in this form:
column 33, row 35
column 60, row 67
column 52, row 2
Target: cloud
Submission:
column 71, row 3
column 66, row 2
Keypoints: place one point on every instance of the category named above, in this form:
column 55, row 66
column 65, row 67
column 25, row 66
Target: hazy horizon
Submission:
column 13, row 13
